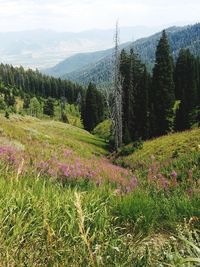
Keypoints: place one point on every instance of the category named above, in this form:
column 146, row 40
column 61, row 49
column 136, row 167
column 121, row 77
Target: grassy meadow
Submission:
column 63, row 202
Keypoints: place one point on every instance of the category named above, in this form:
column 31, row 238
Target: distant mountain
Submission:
column 100, row 70
column 79, row 61
column 45, row 48
column 75, row 62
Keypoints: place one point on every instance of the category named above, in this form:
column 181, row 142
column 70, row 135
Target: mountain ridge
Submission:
column 42, row 49
column 99, row 71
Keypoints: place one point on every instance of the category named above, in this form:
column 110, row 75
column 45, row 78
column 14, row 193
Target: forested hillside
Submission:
column 179, row 37
column 29, row 92
column 33, row 83
column 76, row 62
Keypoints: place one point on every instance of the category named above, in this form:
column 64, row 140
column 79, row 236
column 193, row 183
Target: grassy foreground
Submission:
column 62, row 203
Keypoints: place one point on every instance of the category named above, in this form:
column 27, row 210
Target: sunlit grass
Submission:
column 78, row 209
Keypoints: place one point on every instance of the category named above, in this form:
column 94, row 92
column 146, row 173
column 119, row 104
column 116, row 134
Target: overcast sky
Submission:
column 78, row 15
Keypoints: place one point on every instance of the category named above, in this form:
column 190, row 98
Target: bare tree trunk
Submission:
column 117, row 93
column 113, row 95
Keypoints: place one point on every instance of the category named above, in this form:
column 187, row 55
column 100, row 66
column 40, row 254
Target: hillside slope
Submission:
column 50, row 135
column 179, row 37
column 63, row 202
column 79, row 61
column 172, row 151
column 59, row 150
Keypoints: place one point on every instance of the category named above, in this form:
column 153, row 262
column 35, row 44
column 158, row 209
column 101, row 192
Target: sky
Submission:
column 80, row 15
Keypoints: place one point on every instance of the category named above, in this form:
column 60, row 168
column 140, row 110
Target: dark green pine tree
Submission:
column 185, row 88
column 49, row 107
column 196, row 112
column 26, row 103
column 100, row 105
column 93, row 110
column 143, row 108
column 163, row 95
column 135, row 88
column 133, row 97
column 125, row 73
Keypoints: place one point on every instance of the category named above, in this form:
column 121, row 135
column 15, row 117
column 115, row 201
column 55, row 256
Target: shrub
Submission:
column 130, row 149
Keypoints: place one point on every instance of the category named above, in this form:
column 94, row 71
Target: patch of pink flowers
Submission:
column 13, row 159
column 100, row 170
column 10, row 156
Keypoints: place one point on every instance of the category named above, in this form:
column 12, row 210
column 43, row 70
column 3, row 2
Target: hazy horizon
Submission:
column 85, row 26
column 156, row 27
column 84, row 15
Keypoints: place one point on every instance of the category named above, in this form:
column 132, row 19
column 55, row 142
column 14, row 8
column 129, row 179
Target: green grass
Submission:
column 35, row 134
column 152, row 212
column 164, row 149
column 44, row 222
column 40, row 226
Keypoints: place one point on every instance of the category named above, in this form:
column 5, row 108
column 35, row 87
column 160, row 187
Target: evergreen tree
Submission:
column 9, row 98
column 92, row 112
column 143, row 107
column 125, row 73
column 49, row 107
column 33, row 83
column 135, row 99
column 7, row 115
column 185, row 88
column 163, row 88
column 26, row 103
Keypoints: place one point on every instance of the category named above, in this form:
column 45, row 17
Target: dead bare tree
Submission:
column 113, row 94
column 117, row 93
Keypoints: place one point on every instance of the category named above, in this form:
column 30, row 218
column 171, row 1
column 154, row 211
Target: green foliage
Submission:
column 103, row 130
column 187, row 77
column 162, row 93
column 172, row 119
column 135, row 97
column 64, row 117
column 2, row 104
column 48, row 108
column 35, row 107
column 93, row 110
column 26, row 103
column 7, row 115
column 131, row 148
column 33, row 83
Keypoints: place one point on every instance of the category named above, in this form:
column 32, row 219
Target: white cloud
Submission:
column 77, row 15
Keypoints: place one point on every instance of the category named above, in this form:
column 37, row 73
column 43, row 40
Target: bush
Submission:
column 7, row 115
column 130, row 149
column 64, row 117
column 103, row 130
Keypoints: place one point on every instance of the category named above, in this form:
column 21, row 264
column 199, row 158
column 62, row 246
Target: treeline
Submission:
column 152, row 104
column 42, row 95
column 33, row 83
column 167, row 101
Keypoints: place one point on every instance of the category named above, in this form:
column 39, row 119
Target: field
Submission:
column 64, row 203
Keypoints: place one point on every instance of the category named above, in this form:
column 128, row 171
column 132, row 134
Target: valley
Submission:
column 99, row 133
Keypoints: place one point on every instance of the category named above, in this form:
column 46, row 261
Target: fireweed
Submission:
column 11, row 157
column 67, row 166
column 73, row 168
column 160, row 181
